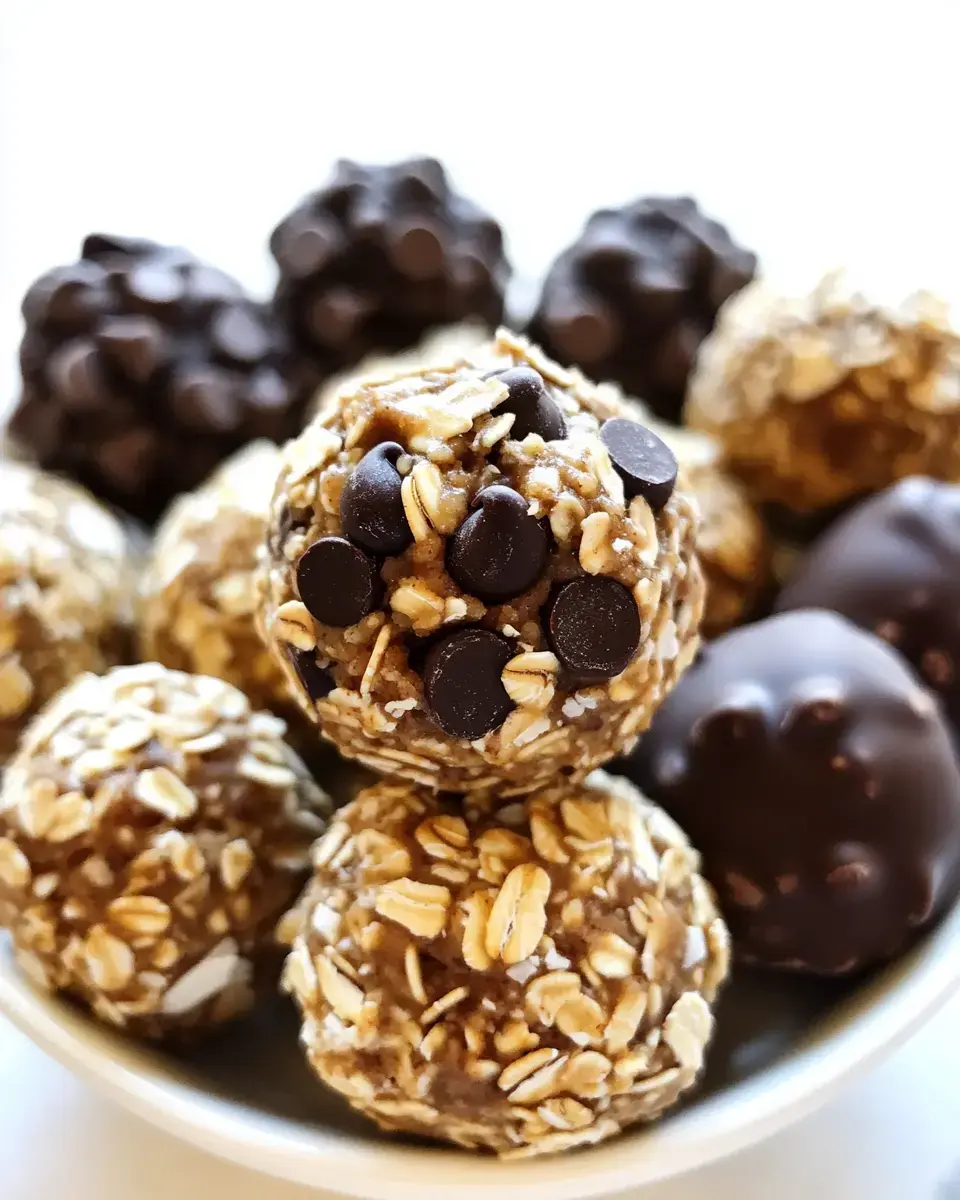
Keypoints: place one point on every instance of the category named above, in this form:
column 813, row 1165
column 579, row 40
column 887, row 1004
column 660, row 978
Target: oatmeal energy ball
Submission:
column 152, row 829
column 198, row 596
column 66, row 587
column 483, row 576
column 526, row 983
column 820, row 398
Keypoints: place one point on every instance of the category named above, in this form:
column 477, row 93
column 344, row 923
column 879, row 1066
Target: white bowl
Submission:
column 785, row 1047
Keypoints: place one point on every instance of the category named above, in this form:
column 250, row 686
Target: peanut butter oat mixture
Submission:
column 152, row 830
column 820, row 398
column 66, row 587
column 481, row 575
column 198, row 597
column 526, row 983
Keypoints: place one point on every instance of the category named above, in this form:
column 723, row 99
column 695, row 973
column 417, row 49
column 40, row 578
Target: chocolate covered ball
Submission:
column 152, row 831
column 143, row 367
column 637, row 292
column 817, row 777
column 892, row 565
column 821, row 398
column 523, row 983
column 472, row 610
column 67, row 583
column 379, row 256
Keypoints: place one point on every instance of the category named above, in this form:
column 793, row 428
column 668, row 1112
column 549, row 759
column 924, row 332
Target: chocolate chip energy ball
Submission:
column 482, row 576
column 143, row 368
column 733, row 545
column 636, row 293
column 525, row 984
column 152, row 829
column 198, row 596
column 379, row 256
column 66, row 590
column 817, row 777
column 892, row 565
column 821, row 398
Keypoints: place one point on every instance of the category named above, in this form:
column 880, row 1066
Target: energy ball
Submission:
column 379, row 256
column 152, row 830
column 198, row 596
column 636, row 293
column 733, row 545
column 143, row 368
column 817, row 777
column 819, row 399
column 892, row 565
column 527, row 983
column 479, row 577
column 66, row 592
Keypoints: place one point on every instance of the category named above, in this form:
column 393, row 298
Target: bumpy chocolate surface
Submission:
column 817, row 777
column 379, row 256
column 634, row 296
column 143, row 367
column 472, row 610
column 892, row 565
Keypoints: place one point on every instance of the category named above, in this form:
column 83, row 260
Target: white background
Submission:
column 822, row 132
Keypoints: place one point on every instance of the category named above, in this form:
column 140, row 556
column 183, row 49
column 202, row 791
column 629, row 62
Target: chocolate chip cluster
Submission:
column 379, row 256
column 478, row 574
column 637, row 292
column 143, row 367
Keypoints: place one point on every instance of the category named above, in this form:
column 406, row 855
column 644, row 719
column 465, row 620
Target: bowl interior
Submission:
column 783, row 1045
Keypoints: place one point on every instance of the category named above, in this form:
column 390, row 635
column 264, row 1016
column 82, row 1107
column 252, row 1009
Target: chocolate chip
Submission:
column 645, row 463
column 594, row 626
column 531, row 404
column 134, row 345
column 464, row 693
column 500, row 550
column 371, row 507
column 239, row 336
column 316, row 679
column 338, row 582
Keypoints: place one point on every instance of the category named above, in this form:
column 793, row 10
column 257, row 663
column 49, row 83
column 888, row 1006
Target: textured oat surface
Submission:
column 66, row 586
column 818, row 398
column 457, row 443
column 152, row 829
column 526, row 983
column 198, row 597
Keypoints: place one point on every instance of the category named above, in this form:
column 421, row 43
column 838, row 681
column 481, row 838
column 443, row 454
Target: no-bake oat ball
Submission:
column 152, row 830
column 820, row 398
column 525, row 983
column 66, row 590
column 481, row 576
column 198, row 595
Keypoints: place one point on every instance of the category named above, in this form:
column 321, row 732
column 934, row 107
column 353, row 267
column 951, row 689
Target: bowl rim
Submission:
column 873, row 1022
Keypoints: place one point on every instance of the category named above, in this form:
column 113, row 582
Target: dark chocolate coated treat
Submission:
column 892, row 565
column 645, row 463
column 500, row 550
column 462, row 684
column 371, row 506
column 817, row 778
column 143, row 368
column 594, row 627
column 379, row 256
column 632, row 299
column 338, row 582
column 532, row 405
column 317, row 681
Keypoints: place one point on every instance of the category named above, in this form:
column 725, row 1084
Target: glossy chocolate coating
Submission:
column 892, row 565
column 817, row 777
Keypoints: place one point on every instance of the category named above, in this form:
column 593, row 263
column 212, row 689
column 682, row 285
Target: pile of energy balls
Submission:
column 364, row 513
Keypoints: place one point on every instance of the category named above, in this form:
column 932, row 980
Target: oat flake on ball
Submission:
column 524, row 983
column 467, row 609
column 152, row 830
